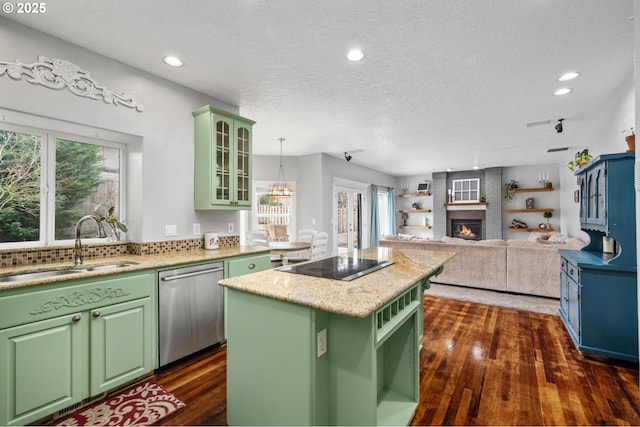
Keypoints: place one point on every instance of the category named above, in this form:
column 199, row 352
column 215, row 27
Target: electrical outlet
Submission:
column 170, row 230
column 322, row 342
column 230, row 227
column 196, row 228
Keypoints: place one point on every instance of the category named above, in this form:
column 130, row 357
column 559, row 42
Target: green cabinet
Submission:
column 63, row 343
column 290, row 364
column 238, row 266
column 42, row 368
column 222, row 160
column 121, row 346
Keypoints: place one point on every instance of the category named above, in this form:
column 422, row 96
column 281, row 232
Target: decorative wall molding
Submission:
column 79, row 298
column 59, row 73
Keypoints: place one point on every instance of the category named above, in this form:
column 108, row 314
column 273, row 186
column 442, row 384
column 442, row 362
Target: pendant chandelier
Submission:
column 280, row 190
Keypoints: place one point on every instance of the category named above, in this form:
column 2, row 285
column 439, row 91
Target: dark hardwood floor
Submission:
column 481, row 365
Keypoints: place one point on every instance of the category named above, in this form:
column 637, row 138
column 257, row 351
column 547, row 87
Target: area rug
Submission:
column 141, row 405
column 502, row 299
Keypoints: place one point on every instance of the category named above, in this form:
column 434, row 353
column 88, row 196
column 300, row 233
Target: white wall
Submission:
column 603, row 136
column 161, row 179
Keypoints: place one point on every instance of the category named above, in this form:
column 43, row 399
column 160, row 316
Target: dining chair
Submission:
column 278, row 233
column 319, row 244
column 304, row 236
column 317, row 250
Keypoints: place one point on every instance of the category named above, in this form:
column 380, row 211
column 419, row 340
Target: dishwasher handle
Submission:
column 195, row 273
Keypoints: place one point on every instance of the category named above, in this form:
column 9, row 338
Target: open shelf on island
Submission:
column 530, row 210
column 529, row 230
column 529, row 190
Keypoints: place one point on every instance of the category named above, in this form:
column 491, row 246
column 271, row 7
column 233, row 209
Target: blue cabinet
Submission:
column 598, row 289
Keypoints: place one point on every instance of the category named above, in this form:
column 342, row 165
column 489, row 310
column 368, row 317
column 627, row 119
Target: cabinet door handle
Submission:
column 252, row 266
column 76, row 318
column 96, row 313
column 571, row 271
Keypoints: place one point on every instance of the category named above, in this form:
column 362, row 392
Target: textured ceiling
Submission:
column 444, row 84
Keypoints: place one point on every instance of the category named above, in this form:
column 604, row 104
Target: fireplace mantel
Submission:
column 466, row 206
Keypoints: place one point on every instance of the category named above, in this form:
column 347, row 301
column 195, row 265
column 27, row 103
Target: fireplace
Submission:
column 470, row 229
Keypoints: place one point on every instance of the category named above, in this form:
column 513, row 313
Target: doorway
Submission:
column 349, row 202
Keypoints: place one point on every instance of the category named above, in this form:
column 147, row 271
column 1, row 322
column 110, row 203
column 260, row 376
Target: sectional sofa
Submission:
column 529, row 267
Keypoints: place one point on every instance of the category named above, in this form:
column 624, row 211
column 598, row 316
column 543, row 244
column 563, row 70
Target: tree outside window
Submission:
column 86, row 176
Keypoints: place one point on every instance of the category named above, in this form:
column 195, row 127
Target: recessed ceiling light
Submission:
column 476, row 167
column 355, row 55
column 173, row 61
column 449, row 170
column 568, row 76
column 562, row 91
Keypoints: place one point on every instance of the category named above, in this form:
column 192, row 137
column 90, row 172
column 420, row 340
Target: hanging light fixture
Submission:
column 280, row 189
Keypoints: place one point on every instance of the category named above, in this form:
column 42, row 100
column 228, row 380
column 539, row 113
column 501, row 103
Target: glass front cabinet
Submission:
column 222, row 164
column 598, row 284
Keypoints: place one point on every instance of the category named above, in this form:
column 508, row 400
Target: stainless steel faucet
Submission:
column 78, row 245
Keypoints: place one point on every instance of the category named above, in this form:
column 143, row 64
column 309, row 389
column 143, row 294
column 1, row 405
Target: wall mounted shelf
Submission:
column 414, row 210
column 529, row 230
column 530, row 190
column 422, row 227
column 529, row 210
column 414, row 195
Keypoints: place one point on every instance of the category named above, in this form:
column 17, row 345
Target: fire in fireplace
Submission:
column 470, row 229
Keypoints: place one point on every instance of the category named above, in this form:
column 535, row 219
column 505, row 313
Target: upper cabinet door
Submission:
column 222, row 163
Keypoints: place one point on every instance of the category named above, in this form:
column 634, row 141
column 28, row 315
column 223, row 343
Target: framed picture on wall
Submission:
column 423, row 187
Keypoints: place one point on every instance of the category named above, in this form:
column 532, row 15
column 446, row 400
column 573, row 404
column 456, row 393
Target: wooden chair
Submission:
column 305, row 236
column 278, row 233
column 318, row 248
column 319, row 245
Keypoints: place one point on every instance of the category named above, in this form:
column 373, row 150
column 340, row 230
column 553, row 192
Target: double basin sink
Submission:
column 44, row 272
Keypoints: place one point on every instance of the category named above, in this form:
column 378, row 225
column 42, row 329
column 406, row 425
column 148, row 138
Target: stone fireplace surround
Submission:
column 490, row 187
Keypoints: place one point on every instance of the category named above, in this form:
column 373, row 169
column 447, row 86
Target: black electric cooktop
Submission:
column 337, row 267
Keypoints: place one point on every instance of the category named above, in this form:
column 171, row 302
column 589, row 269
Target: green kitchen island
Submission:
column 303, row 350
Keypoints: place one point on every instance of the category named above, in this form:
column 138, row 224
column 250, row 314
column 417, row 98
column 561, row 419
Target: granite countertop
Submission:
column 143, row 262
column 357, row 298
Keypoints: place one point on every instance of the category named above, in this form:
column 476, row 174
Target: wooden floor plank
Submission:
column 480, row 365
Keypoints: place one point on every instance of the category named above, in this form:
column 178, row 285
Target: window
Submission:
column 48, row 181
column 383, row 213
column 466, row 190
column 276, row 215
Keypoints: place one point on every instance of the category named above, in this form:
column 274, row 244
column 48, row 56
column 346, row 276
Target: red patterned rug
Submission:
column 141, row 405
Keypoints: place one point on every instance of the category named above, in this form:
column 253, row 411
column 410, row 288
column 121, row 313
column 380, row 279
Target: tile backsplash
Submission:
column 43, row 255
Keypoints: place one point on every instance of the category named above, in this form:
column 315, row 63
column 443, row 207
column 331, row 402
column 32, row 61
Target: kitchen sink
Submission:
column 43, row 273
column 109, row 266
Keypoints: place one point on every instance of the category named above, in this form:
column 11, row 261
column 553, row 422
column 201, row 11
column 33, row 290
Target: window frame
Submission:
column 467, row 191
column 254, row 220
column 49, row 138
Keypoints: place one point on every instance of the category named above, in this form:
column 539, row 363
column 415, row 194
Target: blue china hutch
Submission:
column 598, row 285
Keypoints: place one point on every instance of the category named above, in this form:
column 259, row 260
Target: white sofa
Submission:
column 520, row 266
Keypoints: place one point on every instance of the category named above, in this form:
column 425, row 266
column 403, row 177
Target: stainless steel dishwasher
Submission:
column 190, row 310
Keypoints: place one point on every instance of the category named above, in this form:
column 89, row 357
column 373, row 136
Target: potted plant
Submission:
column 548, row 215
column 111, row 220
column 581, row 159
column 631, row 139
column 509, row 187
